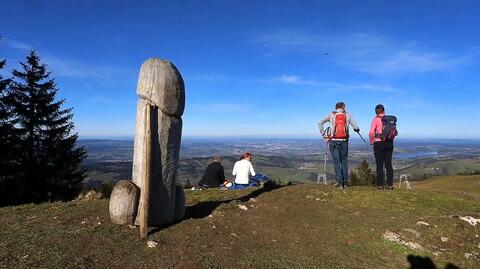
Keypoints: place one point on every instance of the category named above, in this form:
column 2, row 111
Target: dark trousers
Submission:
column 383, row 157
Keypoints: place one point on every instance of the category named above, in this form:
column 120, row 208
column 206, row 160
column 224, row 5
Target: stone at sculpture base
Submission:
column 124, row 203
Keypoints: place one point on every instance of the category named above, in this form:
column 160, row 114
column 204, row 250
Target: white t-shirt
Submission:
column 241, row 169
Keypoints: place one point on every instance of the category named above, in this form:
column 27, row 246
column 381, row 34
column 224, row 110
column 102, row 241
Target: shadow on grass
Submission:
column 204, row 209
column 418, row 262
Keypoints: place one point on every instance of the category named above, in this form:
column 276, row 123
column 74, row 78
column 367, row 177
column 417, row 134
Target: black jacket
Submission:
column 214, row 175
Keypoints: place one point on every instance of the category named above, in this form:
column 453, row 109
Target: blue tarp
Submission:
column 253, row 182
column 259, row 178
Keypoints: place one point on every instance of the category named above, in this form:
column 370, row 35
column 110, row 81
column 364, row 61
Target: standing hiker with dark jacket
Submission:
column 337, row 136
column 382, row 132
column 214, row 175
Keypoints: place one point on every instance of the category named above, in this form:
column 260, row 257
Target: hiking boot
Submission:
column 390, row 188
column 337, row 185
column 380, row 187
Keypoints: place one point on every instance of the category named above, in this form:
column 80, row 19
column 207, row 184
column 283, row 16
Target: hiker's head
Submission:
column 247, row 156
column 217, row 159
column 379, row 109
column 340, row 105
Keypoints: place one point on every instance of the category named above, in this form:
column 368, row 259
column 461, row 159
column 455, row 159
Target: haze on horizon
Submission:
column 262, row 69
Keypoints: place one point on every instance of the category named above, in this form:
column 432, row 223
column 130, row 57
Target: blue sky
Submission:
column 260, row 68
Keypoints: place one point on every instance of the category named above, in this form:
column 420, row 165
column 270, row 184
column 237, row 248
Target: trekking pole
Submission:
column 323, row 177
column 325, row 164
column 361, row 137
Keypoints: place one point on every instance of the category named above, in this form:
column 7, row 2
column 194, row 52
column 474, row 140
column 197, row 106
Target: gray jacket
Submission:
column 331, row 118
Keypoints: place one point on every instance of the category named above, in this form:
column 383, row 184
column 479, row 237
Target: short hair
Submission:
column 339, row 105
column 246, row 155
column 379, row 109
column 217, row 159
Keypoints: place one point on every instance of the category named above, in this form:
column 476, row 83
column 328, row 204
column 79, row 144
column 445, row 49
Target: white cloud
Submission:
column 362, row 87
column 62, row 67
column 68, row 68
column 332, row 86
column 364, row 52
column 220, row 107
column 292, row 79
column 15, row 44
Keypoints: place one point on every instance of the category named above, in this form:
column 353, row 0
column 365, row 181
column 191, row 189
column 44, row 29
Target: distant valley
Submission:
column 297, row 160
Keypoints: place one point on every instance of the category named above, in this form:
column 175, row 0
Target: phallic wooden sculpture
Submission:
column 157, row 143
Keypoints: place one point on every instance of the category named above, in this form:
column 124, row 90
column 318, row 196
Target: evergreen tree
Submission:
column 365, row 173
column 353, row 179
column 6, row 139
column 50, row 159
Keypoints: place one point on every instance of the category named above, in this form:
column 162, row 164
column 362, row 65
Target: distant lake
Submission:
column 407, row 155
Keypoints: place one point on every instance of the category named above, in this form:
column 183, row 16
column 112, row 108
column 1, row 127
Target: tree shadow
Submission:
column 418, row 262
column 204, row 209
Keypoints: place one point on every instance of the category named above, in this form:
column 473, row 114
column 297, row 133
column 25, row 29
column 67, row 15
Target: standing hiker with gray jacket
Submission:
column 337, row 136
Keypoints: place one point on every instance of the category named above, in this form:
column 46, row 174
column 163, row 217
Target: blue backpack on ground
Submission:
column 253, row 182
column 259, row 178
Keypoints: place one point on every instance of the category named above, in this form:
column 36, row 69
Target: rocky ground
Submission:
column 303, row 226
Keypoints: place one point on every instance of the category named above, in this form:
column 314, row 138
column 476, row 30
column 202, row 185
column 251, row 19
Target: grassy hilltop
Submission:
column 299, row 226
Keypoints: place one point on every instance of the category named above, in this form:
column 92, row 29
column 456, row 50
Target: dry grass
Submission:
column 467, row 187
column 304, row 226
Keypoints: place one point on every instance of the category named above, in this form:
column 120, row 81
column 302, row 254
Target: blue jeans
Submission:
column 339, row 151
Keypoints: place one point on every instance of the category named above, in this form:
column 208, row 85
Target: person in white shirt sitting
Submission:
column 242, row 169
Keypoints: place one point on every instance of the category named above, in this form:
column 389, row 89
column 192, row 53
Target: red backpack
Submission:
column 341, row 126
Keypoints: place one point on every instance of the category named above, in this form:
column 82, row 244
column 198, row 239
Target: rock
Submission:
column 468, row 255
column 124, row 202
column 242, row 207
column 471, row 220
column 444, row 239
column 423, row 223
column 89, row 196
column 412, row 231
column 161, row 87
column 152, row 244
column 395, row 238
